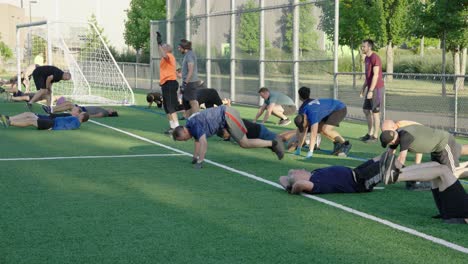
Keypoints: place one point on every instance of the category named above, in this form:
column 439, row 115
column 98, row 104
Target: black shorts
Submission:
column 169, row 94
column 209, row 97
column 44, row 124
column 335, row 117
column 374, row 103
column 39, row 80
column 190, row 92
column 454, row 202
column 450, row 155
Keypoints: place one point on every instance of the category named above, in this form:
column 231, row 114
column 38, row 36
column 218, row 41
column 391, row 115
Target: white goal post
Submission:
column 79, row 48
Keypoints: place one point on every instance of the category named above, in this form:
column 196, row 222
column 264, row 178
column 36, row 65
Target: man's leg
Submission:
column 330, row 132
column 375, row 125
column 24, row 98
column 370, row 124
column 38, row 96
column 24, row 122
column 464, row 150
column 65, row 106
column 194, row 107
column 440, row 175
column 278, row 111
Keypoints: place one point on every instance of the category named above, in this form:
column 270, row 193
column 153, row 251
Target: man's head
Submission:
column 166, row 47
column 389, row 125
column 184, row 46
column 76, row 111
column 388, row 137
column 367, row 46
column 181, row 133
column 154, row 97
column 301, row 122
column 264, row 93
column 66, row 76
column 304, row 93
column 112, row 113
column 83, row 117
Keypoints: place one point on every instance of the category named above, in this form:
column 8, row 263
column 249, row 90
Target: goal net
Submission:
column 79, row 48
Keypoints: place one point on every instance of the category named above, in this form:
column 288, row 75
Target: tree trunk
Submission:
column 138, row 55
column 421, row 48
column 444, row 62
column 456, row 66
column 353, row 65
column 461, row 86
column 363, row 64
column 389, row 61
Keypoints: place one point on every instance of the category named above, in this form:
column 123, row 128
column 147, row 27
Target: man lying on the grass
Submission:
column 45, row 122
column 93, row 111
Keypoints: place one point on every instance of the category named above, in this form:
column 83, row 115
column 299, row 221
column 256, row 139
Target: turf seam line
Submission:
column 92, row 157
column 322, row 200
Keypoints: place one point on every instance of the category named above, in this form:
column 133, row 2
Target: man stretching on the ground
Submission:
column 59, row 123
column 202, row 125
column 277, row 104
column 93, row 111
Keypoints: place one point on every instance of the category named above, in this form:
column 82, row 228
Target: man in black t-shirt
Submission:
column 44, row 77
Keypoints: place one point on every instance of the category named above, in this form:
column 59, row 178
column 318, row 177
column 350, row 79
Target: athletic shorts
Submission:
column 454, row 202
column 334, row 179
column 450, row 155
column 39, row 80
column 289, row 109
column 335, row 117
column 374, row 103
column 169, row 94
column 209, row 97
column 45, row 123
column 235, row 125
column 190, row 92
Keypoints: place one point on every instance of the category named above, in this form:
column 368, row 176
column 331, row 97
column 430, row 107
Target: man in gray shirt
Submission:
column 190, row 80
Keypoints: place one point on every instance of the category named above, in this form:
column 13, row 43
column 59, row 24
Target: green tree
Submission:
column 249, row 29
column 93, row 41
column 395, row 14
column 5, row 51
column 137, row 25
column 307, row 24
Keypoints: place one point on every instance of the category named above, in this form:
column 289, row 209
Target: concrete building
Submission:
column 11, row 15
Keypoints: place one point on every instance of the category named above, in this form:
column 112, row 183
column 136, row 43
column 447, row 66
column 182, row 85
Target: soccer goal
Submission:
column 79, row 48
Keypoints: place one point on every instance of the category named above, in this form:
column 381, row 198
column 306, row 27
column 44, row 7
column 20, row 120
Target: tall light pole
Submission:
column 29, row 33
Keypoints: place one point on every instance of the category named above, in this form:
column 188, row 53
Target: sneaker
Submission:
column 284, row 122
column 364, row 138
column 46, row 109
column 371, row 139
column 278, row 147
column 345, row 149
column 2, row 90
column 29, row 106
column 337, row 147
column 4, row 120
column 169, row 131
column 389, row 168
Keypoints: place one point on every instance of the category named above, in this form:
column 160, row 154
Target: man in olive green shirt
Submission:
column 277, row 104
column 421, row 139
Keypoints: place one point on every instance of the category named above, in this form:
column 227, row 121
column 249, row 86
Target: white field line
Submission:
column 91, row 157
column 336, row 205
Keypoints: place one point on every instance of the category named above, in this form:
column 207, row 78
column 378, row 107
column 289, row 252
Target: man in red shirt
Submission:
column 374, row 93
column 168, row 82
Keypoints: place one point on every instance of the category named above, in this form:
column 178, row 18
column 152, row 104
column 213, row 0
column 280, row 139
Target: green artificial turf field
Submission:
column 105, row 196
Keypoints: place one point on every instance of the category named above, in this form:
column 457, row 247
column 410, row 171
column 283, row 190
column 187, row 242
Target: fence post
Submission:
column 232, row 50
column 455, row 116
column 136, row 75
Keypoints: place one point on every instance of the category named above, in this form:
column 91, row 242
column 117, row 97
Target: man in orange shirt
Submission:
column 168, row 82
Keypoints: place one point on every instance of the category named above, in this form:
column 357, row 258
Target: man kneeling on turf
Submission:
column 202, row 125
column 45, row 122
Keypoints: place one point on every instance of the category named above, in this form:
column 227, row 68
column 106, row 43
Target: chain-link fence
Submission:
column 430, row 99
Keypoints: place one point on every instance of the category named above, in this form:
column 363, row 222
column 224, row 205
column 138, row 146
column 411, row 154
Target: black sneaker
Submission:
column 46, row 109
column 2, row 90
column 337, row 147
column 364, row 138
column 278, row 147
column 284, row 122
column 345, row 149
column 389, row 168
column 169, row 131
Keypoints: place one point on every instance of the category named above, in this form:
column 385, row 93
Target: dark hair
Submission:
column 149, row 98
column 263, row 89
column 369, row 42
column 304, row 93
column 185, row 44
column 177, row 132
column 85, row 117
column 113, row 114
column 299, row 122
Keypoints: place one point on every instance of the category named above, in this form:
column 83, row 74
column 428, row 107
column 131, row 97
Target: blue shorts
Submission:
column 334, row 179
column 266, row 134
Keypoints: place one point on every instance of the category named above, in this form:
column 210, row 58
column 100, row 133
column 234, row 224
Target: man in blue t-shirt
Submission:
column 52, row 122
column 204, row 124
column 322, row 116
